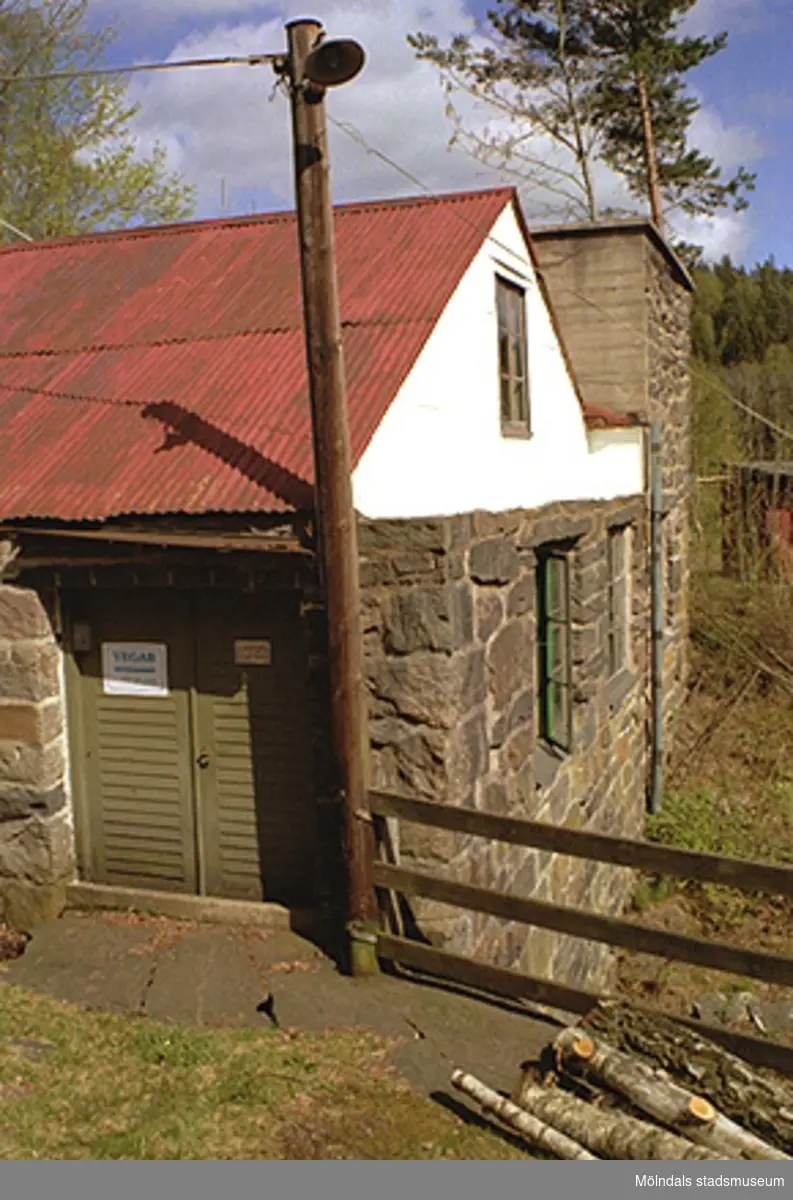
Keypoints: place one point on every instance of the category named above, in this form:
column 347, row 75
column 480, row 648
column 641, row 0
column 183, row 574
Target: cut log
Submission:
column 761, row 1100
column 606, row 1132
column 660, row 1097
column 534, row 1131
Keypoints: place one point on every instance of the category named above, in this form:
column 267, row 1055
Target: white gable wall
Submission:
column 439, row 449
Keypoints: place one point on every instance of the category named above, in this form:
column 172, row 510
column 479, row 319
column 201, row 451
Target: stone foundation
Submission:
column 36, row 839
column 449, row 620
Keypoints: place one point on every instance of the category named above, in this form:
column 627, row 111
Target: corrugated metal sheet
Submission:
column 163, row 370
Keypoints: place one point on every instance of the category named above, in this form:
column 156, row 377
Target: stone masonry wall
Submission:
column 624, row 311
column 668, row 316
column 36, row 842
column 449, row 620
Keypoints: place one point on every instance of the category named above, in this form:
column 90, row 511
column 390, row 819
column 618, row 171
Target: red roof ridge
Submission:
column 277, row 216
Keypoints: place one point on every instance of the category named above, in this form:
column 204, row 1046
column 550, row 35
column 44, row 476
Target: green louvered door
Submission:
column 255, row 799
column 133, row 756
column 198, row 777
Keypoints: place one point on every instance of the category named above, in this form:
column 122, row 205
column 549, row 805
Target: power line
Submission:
column 355, row 135
column 248, row 60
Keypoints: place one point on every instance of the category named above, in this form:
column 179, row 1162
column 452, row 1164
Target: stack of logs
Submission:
column 702, row 1102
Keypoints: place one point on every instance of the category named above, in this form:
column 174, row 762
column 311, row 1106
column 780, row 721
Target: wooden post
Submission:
column 650, row 154
column 335, row 513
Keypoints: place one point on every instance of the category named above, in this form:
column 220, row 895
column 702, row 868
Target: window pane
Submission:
column 553, row 650
column 557, row 588
column 560, row 714
column 517, row 400
column 503, row 352
column 620, row 639
column 506, row 400
column 618, row 552
column 618, row 598
column 558, row 650
column 509, row 306
column 523, row 402
column 518, row 357
column 501, row 303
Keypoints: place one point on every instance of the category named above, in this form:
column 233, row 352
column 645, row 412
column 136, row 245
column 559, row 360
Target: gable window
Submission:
column 512, row 357
column 619, row 599
column 553, row 648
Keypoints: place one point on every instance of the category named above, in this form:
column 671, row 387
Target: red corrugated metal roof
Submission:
column 162, row 370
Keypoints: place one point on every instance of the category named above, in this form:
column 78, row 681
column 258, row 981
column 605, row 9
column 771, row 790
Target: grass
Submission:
column 83, row 1085
column 729, row 790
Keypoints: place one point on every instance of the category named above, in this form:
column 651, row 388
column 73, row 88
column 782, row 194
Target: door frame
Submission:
column 77, row 745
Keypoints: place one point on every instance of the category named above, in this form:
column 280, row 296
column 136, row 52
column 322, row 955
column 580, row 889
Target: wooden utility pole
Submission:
column 650, row 154
column 334, row 504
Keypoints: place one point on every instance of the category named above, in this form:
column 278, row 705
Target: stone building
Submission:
column 623, row 302
column 163, row 684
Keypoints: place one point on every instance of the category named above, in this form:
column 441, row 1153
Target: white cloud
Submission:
column 172, row 10
column 726, row 233
column 218, row 125
column 729, row 145
column 709, row 17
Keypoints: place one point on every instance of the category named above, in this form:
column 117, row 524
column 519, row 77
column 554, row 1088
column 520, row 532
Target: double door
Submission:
column 191, row 743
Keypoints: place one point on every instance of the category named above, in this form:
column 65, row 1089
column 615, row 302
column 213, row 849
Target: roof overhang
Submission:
column 164, row 539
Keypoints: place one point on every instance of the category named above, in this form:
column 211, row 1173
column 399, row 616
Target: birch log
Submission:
column 760, row 1100
column 606, row 1132
column 661, row 1098
column 540, row 1135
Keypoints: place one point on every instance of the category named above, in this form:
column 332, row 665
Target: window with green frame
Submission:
column 553, row 649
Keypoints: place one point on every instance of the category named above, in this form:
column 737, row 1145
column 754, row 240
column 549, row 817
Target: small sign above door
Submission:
column 253, row 653
column 135, row 668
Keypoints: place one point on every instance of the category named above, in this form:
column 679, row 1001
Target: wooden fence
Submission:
column 614, row 931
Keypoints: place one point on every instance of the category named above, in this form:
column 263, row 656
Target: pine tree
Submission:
column 537, row 72
column 599, row 79
column 68, row 159
column 645, row 113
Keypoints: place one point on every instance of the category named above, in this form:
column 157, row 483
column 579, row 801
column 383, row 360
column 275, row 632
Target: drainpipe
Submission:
column 657, row 619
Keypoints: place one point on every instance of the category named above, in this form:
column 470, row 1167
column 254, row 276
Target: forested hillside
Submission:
column 743, row 339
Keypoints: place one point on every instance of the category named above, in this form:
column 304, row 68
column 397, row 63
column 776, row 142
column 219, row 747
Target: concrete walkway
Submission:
column 212, row 975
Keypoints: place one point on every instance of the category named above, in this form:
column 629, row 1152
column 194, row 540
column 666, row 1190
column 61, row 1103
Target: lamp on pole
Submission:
column 314, row 64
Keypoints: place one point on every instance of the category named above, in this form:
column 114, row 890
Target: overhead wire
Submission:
column 229, row 60
column 248, row 60
column 355, row 135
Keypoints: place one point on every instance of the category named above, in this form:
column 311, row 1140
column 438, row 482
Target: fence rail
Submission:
column 578, row 843
column 578, row 922
column 515, row 985
column 614, row 931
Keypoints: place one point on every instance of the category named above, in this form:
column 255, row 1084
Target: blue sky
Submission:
column 222, row 132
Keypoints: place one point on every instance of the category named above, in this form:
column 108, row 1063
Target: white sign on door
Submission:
column 249, row 653
column 135, row 668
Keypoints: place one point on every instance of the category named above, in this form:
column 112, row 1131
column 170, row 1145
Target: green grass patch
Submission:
column 84, row 1085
